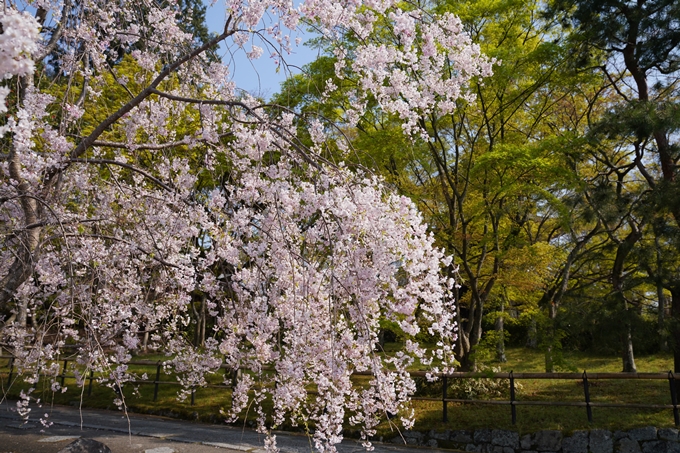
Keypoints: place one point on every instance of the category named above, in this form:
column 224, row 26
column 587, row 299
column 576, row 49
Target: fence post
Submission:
column 445, row 409
column 674, row 397
column 586, row 390
column 155, row 383
column 89, row 387
column 513, row 408
column 63, row 373
column 11, row 371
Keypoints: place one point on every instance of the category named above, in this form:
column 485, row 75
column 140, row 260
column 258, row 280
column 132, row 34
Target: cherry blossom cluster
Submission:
column 424, row 72
column 18, row 42
column 137, row 183
column 417, row 65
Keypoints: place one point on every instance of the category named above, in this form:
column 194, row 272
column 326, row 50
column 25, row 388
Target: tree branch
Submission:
column 57, row 33
column 104, row 125
column 125, row 165
column 113, row 238
column 152, row 146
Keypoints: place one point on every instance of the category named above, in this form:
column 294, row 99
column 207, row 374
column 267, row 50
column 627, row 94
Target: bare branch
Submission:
column 65, row 11
column 152, row 146
column 125, row 165
column 186, row 100
column 113, row 238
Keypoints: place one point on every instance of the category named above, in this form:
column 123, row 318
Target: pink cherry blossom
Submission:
column 127, row 199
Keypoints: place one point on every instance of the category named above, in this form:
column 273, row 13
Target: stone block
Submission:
column 627, row 445
column 655, row 446
column 461, row 436
column 85, row 446
column 505, row 438
column 547, row 440
column 413, row 434
column 525, row 442
column 440, row 436
column 660, row 446
column 482, row 436
column 576, row 443
column 668, row 434
column 432, row 443
column 620, row 435
column 473, row 448
column 499, row 449
column 601, row 441
column 413, row 437
column 642, row 434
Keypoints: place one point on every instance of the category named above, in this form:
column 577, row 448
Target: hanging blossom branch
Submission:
column 125, row 165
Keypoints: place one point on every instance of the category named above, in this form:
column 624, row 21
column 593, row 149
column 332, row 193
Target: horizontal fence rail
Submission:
column 584, row 377
column 513, row 402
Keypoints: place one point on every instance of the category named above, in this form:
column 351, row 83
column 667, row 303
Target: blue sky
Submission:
column 258, row 77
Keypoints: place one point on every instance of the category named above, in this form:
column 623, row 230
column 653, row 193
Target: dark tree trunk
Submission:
column 199, row 315
column 661, row 319
column 623, row 250
column 675, row 327
column 500, row 345
column 628, row 356
column 551, row 340
column 532, row 335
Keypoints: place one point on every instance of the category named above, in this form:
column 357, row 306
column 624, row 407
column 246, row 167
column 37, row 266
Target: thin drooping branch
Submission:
column 187, row 100
column 128, row 166
column 58, row 32
column 281, row 132
column 155, row 146
column 151, row 255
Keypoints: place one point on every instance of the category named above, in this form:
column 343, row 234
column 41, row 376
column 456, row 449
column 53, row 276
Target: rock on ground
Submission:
column 85, row 446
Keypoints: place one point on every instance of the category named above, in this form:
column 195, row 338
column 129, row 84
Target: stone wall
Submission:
column 640, row 440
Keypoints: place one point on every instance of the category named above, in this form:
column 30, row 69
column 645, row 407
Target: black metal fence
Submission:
column 513, row 402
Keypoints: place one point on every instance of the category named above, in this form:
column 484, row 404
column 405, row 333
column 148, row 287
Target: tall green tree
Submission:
column 491, row 182
column 636, row 45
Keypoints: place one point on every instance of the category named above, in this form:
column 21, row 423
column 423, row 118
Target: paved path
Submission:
column 146, row 434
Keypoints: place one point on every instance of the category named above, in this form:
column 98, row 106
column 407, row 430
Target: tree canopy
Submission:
column 139, row 186
column 463, row 174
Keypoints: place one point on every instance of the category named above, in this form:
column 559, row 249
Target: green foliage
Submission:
column 604, row 24
column 483, row 388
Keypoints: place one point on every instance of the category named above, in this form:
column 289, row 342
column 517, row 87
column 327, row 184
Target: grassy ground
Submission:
column 209, row 401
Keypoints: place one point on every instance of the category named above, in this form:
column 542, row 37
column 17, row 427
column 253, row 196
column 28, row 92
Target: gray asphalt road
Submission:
column 143, row 433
